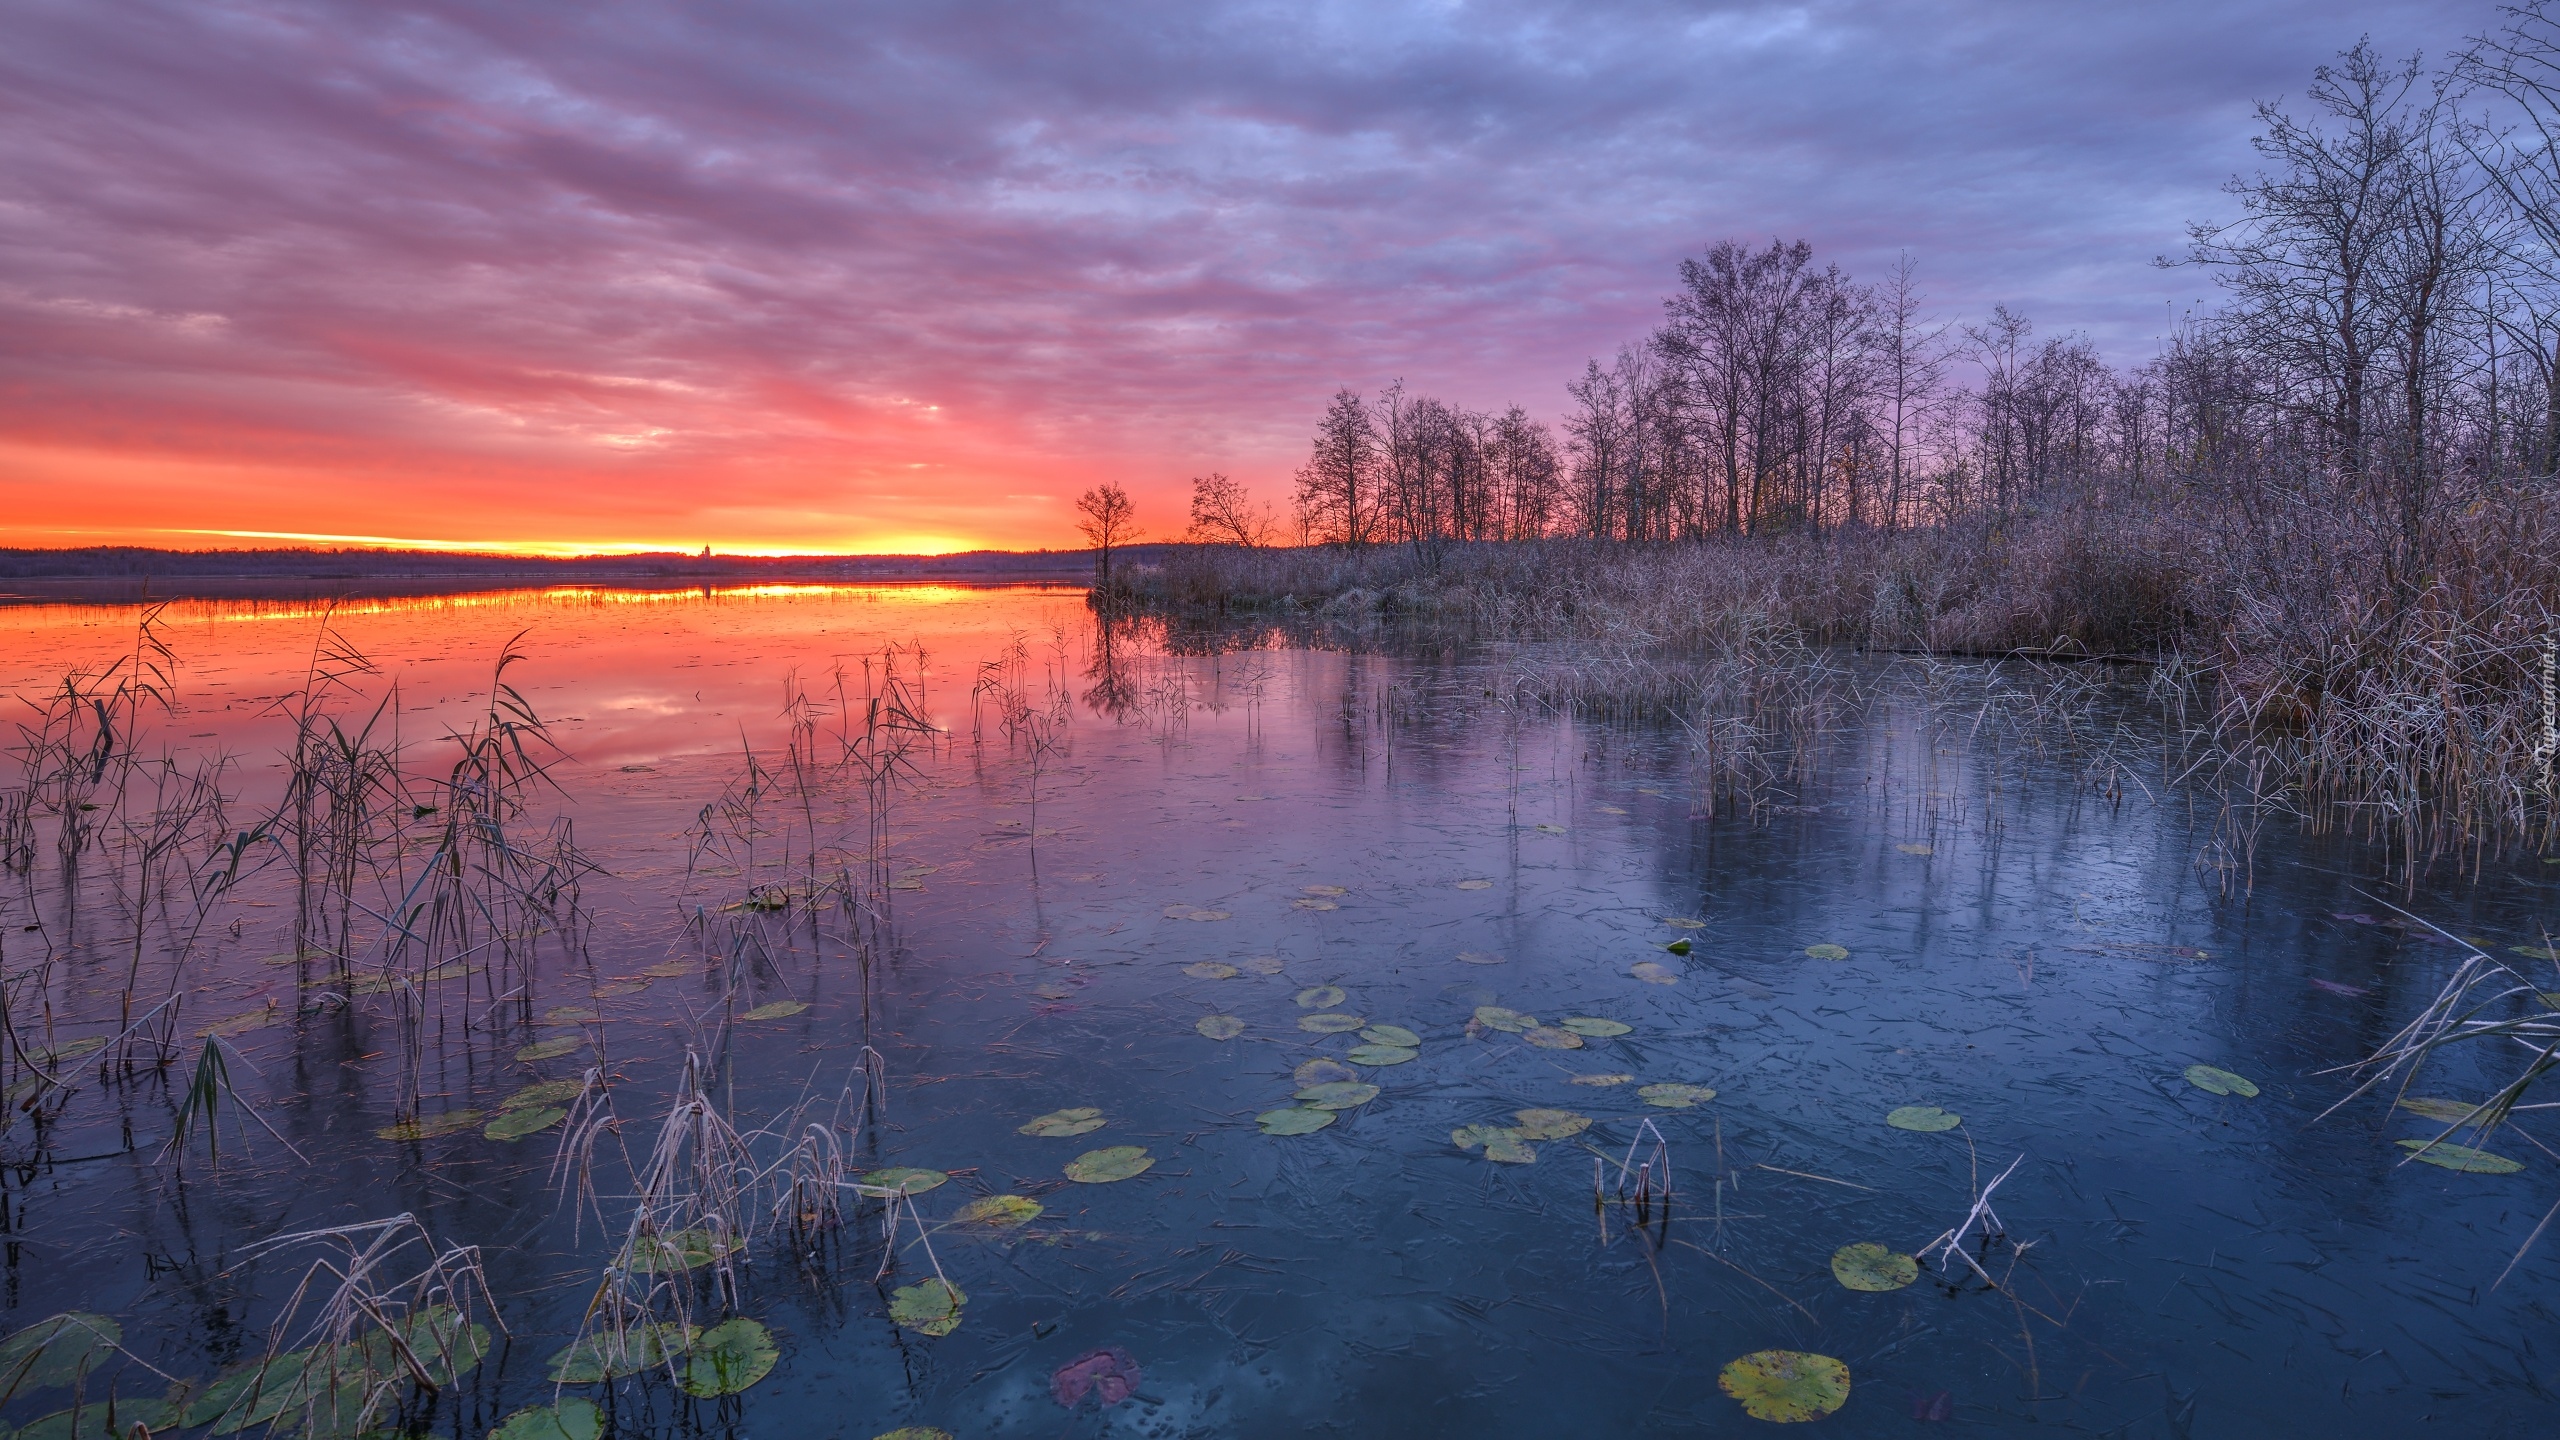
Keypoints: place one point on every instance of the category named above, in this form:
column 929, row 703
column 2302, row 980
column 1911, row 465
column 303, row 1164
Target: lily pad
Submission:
column 1499, row 1143
column 252, row 1395
column 1102, row 1167
column 1337, row 1095
column 517, row 1124
column 1601, row 1080
column 905, row 1179
column 1330, row 1023
column 1654, row 972
column 603, row 1357
column 1320, row 997
column 1927, row 1119
column 1219, row 1027
column 1108, row 1374
column 1324, row 1072
column 1380, row 1054
column 1499, row 1017
column 1332, row 890
column 568, row 1015
column 2215, row 1081
column 1824, row 951
column 2452, row 1112
column 2461, row 1157
column 931, row 1306
column 1680, row 946
column 1266, row 965
column 110, row 1417
column 669, row 969
column 1475, row 884
column 1915, row 849
column 1683, row 922
column 56, row 1351
column 1479, row 957
column 1551, row 1124
column 1058, row 1124
column 1672, row 1095
column 1296, row 1120
column 914, row 1432
column 1392, row 1035
column 1869, row 1266
column 549, row 1092
column 1593, row 1028
column 575, row 1418
column 1314, row 904
column 736, row 1353
column 244, row 1022
column 1210, row 970
column 550, row 1049
column 428, row 1127
column 2536, row 952
column 677, row 1251
column 1551, row 830
column 1786, row 1385
column 777, row 1010
column 1549, row 1037
column 998, row 1212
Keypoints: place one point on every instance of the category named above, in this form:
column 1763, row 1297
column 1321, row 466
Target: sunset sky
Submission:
column 820, row 277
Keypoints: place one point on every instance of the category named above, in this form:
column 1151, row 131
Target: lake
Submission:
column 859, row 935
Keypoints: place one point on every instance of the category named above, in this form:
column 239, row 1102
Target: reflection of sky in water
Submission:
column 2023, row 949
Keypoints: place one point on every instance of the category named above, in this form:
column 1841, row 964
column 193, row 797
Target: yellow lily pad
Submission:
column 1869, row 1266
column 1821, row 952
column 1058, row 1124
column 1219, row 1027
column 1320, row 997
column 1551, row 1124
column 1786, row 1386
column 1330, row 1023
column 1210, row 970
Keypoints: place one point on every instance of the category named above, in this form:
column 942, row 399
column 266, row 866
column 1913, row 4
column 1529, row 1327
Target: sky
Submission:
column 828, row 276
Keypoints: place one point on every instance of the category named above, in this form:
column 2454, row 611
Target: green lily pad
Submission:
column 1392, row 1035
column 1380, row 1054
column 736, row 1353
column 568, row 1015
column 998, row 1212
column 1296, row 1120
column 669, row 969
column 249, row 1396
column 1499, row 1143
column 2461, row 1157
column 1324, row 1072
column 1330, row 1023
column 1683, row 922
column 56, row 1351
column 1058, row 1124
column 931, row 1306
column 428, row 1127
column 1593, row 1029
column 1478, row 957
column 1927, row 1119
column 1335, row 891
column 1597, row 1080
column 1869, row 1266
column 574, row 1418
column 1551, row 1124
column 905, row 1179
column 2536, row 952
column 517, row 1124
column 104, row 1417
column 2216, row 1081
column 1475, row 884
column 1916, row 848
column 777, row 1010
column 1653, row 972
column 1320, row 997
column 1102, row 1167
column 2452, row 1112
column 1680, row 946
column 1549, row 1037
column 1821, row 952
column 607, row 1356
column 1210, row 970
column 1786, row 1385
column 550, row 1049
column 1501, row 1017
column 914, row 1432
column 677, row 1251
column 1675, row 1096
column 1220, row 1027
column 1337, row 1095
column 548, row 1092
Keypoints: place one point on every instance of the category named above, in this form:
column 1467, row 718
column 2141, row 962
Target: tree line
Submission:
column 2387, row 337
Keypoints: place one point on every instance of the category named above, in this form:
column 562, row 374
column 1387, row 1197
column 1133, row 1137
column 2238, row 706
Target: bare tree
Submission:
column 1223, row 513
column 1336, row 487
column 1109, row 522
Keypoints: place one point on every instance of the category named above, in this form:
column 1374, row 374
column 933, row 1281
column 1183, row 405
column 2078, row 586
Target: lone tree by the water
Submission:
column 1110, row 521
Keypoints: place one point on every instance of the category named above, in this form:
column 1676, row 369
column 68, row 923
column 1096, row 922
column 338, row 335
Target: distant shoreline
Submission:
column 126, row 574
